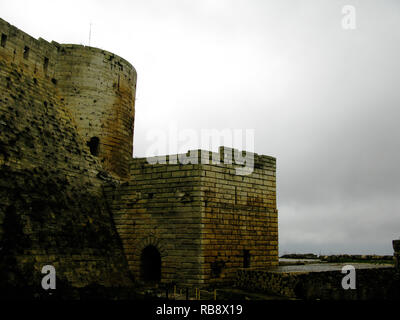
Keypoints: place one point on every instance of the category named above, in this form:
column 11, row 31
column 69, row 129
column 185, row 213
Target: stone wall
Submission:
column 372, row 283
column 240, row 218
column 52, row 209
column 160, row 206
column 99, row 88
column 66, row 121
column 201, row 216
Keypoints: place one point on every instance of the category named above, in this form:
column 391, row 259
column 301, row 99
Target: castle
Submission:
column 72, row 195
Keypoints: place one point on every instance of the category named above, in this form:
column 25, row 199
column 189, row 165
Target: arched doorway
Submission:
column 150, row 264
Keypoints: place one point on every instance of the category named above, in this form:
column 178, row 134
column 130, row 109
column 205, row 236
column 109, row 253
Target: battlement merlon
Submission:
column 226, row 157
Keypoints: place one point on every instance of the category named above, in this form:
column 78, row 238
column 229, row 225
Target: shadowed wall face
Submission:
column 160, row 208
column 204, row 219
column 52, row 210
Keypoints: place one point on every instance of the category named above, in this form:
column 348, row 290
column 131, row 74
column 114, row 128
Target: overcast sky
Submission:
column 323, row 100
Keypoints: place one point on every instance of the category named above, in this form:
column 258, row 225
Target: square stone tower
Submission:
column 197, row 222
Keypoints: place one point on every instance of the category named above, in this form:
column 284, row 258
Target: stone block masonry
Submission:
column 72, row 196
column 239, row 219
column 323, row 281
column 160, row 207
column 204, row 220
column 52, row 209
column 99, row 88
column 96, row 86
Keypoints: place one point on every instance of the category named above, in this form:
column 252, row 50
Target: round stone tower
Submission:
column 99, row 88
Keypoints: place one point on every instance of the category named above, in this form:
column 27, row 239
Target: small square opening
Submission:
column 26, row 52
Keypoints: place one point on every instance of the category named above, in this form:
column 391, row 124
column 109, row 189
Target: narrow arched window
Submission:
column 45, row 64
column 26, row 52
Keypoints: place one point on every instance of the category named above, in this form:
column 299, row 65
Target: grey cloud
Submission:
column 323, row 100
